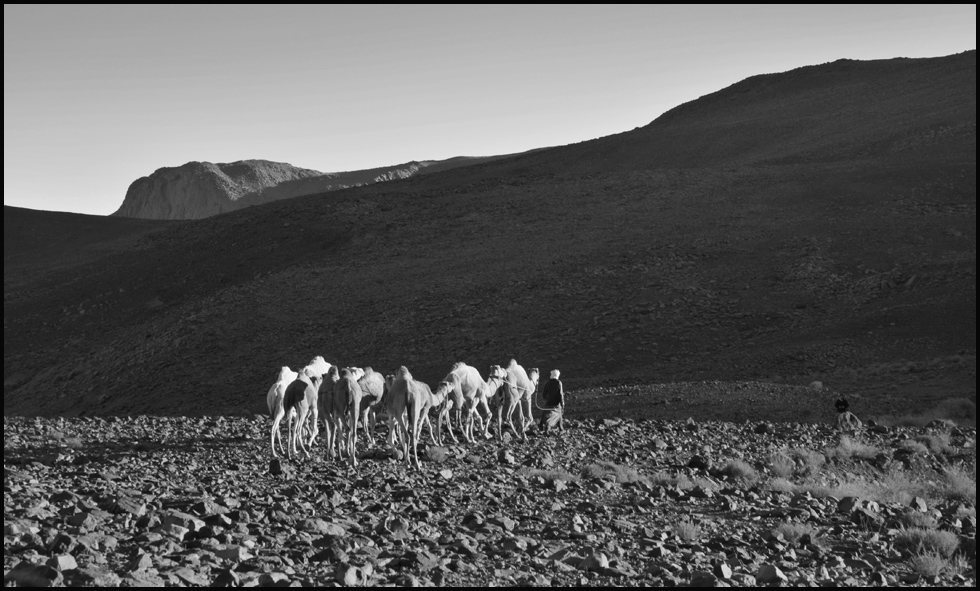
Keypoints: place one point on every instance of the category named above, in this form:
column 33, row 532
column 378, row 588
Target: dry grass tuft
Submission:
column 687, row 531
column 782, row 485
column 900, row 487
column 740, row 471
column 937, row 443
column 960, row 484
column 781, row 465
column 922, row 541
column 849, row 449
column 929, row 564
column 808, row 462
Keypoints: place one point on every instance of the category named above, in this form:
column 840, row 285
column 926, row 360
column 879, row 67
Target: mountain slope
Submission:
column 853, row 263
column 828, row 112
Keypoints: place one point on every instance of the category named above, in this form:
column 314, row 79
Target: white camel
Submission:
column 346, row 409
column 327, row 408
column 372, row 386
column 472, row 393
column 407, row 399
column 274, row 401
column 300, row 397
column 511, row 394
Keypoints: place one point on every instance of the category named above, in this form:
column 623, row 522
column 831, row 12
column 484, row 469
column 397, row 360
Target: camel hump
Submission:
column 403, row 373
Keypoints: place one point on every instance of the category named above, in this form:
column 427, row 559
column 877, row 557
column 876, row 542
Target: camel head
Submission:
column 498, row 372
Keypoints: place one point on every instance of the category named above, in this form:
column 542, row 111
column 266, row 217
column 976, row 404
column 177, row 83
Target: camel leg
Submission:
column 406, row 437
column 275, row 431
column 486, row 408
column 299, row 431
column 352, row 439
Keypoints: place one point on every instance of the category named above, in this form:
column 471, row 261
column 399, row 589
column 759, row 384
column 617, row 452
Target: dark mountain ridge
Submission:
column 829, row 234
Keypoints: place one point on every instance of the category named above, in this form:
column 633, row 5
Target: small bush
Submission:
column 808, row 462
column 781, row 465
column 666, row 480
column 687, row 531
column 960, row 485
column 782, row 485
column 928, row 564
column 898, row 487
column 922, row 541
column 622, row 474
column 965, row 512
column 937, row 443
column 740, row 471
column 849, row 449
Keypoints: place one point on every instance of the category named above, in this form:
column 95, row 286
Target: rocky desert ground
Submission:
column 199, row 501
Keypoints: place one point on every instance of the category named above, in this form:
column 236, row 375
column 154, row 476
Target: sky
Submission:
column 95, row 97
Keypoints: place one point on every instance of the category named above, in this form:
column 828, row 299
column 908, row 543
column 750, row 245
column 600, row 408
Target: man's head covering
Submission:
column 554, row 374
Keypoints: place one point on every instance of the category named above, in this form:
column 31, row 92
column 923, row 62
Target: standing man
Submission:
column 554, row 399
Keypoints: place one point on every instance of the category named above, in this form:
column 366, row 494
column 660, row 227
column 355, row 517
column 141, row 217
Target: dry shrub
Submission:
column 921, row 541
column 960, row 484
column 781, row 465
column 937, row 443
column 668, row 481
column 782, row 485
column 928, row 564
column 687, row 530
column 849, row 449
column 963, row 512
column 808, row 462
column 740, row 471
column 899, row 487
column 622, row 474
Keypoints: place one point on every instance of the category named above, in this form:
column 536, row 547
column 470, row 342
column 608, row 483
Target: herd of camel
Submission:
column 349, row 396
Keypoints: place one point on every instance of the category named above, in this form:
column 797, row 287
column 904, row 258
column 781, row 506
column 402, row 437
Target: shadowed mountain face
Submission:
column 815, row 224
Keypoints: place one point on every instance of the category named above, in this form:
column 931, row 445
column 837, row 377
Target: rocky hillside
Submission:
column 201, row 189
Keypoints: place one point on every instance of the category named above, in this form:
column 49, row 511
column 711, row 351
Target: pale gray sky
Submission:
column 98, row 96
